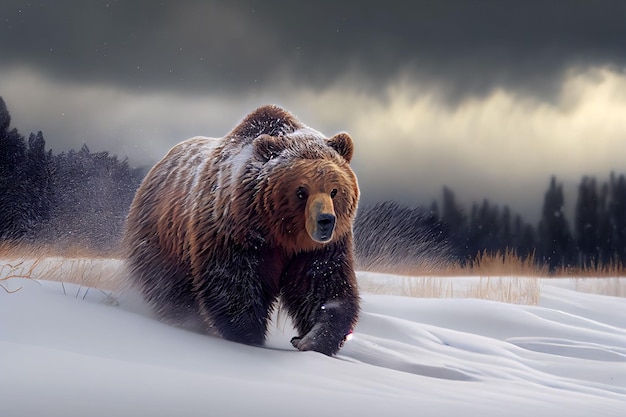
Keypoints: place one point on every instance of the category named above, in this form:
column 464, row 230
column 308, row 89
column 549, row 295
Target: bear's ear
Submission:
column 342, row 143
column 267, row 147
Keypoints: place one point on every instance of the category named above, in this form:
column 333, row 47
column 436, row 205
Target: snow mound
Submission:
column 77, row 351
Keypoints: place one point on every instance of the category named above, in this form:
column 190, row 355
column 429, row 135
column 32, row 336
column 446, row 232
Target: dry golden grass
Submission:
column 513, row 290
column 26, row 250
column 593, row 271
column 497, row 265
column 501, row 277
column 10, row 270
column 102, row 273
column 504, row 277
column 484, row 265
column 507, row 264
column 70, row 263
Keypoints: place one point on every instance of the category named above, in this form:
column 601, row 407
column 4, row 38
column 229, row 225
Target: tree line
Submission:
column 81, row 198
column 596, row 237
column 74, row 199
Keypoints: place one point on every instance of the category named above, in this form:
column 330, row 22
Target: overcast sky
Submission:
column 487, row 97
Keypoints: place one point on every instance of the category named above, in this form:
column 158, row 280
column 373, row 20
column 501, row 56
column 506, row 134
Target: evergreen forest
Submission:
column 79, row 198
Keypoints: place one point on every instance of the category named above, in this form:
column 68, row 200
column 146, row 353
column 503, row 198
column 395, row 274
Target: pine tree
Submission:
column 453, row 218
column 555, row 238
column 5, row 117
column 605, row 235
column 617, row 215
column 587, row 223
column 13, row 188
column 505, row 231
column 39, row 175
column 525, row 242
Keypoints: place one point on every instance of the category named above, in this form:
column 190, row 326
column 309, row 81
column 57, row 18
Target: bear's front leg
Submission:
column 234, row 300
column 320, row 293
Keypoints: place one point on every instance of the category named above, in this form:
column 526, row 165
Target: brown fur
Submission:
column 221, row 227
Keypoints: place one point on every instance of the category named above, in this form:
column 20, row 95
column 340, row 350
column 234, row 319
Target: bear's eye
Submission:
column 301, row 193
column 333, row 193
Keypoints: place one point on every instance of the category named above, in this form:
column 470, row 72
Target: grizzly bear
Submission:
column 221, row 229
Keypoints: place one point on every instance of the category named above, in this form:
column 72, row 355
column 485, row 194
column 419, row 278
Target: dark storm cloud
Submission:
column 477, row 95
column 202, row 46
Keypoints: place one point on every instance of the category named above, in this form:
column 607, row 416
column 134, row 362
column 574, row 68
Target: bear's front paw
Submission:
column 302, row 343
column 323, row 345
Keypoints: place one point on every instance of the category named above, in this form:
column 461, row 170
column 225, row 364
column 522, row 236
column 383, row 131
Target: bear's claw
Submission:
column 295, row 341
column 305, row 343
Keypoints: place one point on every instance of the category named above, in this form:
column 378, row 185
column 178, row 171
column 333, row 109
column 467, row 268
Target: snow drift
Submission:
column 69, row 350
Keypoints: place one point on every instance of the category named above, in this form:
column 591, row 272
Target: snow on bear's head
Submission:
column 308, row 191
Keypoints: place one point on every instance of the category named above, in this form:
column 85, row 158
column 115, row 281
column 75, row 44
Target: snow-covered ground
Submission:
column 69, row 350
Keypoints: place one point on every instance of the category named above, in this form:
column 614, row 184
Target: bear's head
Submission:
column 308, row 192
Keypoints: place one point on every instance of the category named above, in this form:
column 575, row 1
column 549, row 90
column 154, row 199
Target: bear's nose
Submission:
column 326, row 223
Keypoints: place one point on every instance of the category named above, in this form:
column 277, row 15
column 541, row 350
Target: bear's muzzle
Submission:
column 325, row 227
column 320, row 218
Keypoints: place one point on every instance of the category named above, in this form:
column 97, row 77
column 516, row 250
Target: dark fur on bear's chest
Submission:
column 272, row 265
column 295, row 275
